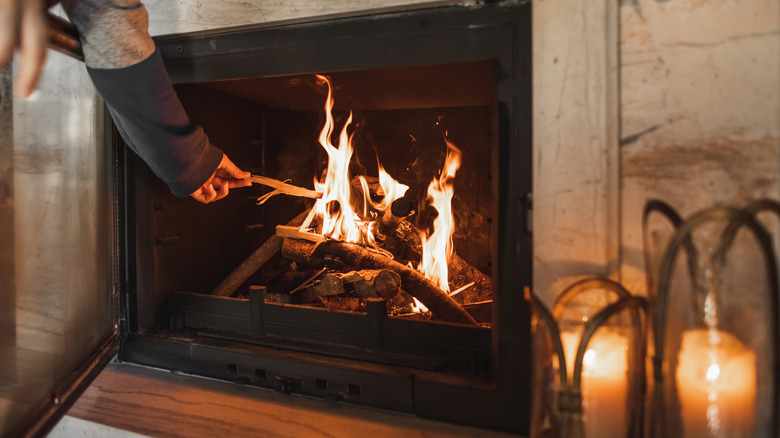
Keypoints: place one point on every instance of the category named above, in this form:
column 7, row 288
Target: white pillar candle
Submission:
column 716, row 384
column 604, row 381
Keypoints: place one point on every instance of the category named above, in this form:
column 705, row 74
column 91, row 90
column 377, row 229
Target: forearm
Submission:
column 130, row 76
column 150, row 118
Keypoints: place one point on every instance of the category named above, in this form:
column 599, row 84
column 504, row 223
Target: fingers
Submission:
column 223, row 191
column 236, row 183
column 208, row 193
column 205, row 194
column 32, row 47
column 226, row 177
column 228, row 169
column 9, row 28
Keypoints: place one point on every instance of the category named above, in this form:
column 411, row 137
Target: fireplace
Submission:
column 414, row 83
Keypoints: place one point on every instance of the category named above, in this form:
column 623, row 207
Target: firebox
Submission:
column 409, row 90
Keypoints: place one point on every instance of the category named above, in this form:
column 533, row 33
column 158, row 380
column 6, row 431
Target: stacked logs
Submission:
column 342, row 276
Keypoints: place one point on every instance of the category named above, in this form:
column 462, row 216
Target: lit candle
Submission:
column 604, row 381
column 716, row 383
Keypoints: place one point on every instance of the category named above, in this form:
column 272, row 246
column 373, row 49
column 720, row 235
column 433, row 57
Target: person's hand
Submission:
column 226, row 177
column 23, row 25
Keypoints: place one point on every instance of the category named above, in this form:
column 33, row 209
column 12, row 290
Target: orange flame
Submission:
column 437, row 248
column 343, row 221
column 340, row 220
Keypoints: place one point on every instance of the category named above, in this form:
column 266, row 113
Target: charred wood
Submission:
column 405, row 243
column 399, row 210
column 371, row 283
column 413, row 282
column 256, row 260
column 327, row 285
column 345, row 303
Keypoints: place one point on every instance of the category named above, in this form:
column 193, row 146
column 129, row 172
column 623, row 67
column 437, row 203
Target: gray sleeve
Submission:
column 129, row 74
column 153, row 123
column 113, row 33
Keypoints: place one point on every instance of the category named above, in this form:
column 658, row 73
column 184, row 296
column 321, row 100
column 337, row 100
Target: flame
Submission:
column 340, row 219
column 437, row 248
column 392, row 189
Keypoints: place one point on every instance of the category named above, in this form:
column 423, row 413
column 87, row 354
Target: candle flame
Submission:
column 713, row 372
column 589, row 360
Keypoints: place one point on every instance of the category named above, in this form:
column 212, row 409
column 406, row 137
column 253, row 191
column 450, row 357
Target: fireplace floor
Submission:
column 154, row 402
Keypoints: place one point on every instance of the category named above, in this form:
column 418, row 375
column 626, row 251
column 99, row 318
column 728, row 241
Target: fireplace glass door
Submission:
column 57, row 247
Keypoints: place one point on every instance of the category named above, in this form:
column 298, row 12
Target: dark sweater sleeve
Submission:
column 152, row 121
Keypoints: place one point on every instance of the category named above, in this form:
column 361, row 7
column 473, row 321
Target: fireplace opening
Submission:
column 402, row 120
column 415, row 92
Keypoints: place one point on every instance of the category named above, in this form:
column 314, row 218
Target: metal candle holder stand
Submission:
column 570, row 398
column 735, row 219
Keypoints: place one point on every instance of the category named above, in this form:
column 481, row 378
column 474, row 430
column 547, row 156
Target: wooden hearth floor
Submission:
column 159, row 403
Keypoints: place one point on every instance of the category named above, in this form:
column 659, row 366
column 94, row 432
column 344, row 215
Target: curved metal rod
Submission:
column 596, row 322
column 587, row 283
column 719, row 258
column 555, row 336
column 666, row 210
column 737, row 218
column 730, row 233
column 635, row 418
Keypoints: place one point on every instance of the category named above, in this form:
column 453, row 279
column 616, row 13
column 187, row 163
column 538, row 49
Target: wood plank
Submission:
column 289, row 232
column 160, row 404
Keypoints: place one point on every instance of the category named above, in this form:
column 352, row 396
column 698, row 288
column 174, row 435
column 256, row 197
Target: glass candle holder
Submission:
column 715, row 325
column 589, row 362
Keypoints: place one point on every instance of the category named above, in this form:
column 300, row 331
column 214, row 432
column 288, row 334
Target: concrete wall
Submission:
column 700, row 109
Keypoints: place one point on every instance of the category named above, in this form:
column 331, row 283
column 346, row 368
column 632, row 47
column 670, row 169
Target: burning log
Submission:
column 369, row 283
column 254, row 262
column 437, row 301
column 325, row 286
column 372, row 283
column 399, row 210
column 291, row 232
column 405, row 243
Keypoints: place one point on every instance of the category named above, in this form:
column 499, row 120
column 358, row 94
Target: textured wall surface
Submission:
column 700, row 109
column 575, row 142
column 178, row 16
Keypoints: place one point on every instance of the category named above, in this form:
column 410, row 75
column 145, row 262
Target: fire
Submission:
column 437, row 248
column 340, row 220
column 344, row 221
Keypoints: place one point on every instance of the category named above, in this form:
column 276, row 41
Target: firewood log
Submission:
column 399, row 210
column 405, row 243
column 256, row 260
column 413, row 282
column 327, row 285
column 371, row 283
